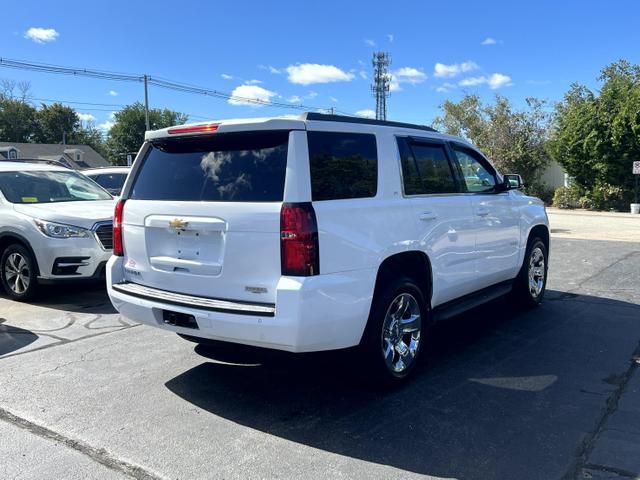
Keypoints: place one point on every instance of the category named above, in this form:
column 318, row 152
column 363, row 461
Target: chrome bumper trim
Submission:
column 214, row 304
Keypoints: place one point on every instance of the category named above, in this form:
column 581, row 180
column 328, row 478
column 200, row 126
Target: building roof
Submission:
column 91, row 158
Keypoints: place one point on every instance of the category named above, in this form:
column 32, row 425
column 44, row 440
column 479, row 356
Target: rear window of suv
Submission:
column 228, row 167
column 342, row 165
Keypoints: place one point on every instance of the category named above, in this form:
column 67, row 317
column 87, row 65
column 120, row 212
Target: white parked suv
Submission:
column 110, row 178
column 320, row 233
column 55, row 225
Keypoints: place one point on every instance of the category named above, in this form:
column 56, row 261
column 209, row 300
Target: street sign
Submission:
column 636, row 168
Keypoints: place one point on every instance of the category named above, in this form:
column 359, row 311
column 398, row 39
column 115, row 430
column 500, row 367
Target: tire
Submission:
column 18, row 273
column 531, row 283
column 392, row 343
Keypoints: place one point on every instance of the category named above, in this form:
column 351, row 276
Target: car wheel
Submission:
column 394, row 336
column 531, row 283
column 18, row 273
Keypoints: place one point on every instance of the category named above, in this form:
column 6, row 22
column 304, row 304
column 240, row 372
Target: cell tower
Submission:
column 382, row 83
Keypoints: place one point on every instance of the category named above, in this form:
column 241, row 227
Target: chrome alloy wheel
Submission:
column 536, row 272
column 17, row 274
column 401, row 333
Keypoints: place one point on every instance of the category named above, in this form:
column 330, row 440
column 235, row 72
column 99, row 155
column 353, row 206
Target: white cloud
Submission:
column 472, row 81
column 498, row 80
column 86, row 117
column 442, row 70
column 41, row 35
column 253, row 82
column 369, row 42
column 270, row 69
column 495, row 81
column 312, row 94
column 445, row 87
column 333, row 99
column 367, row 113
column 489, row 41
column 410, row 75
column 227, row 76
column 106, row 126
column 390, row 37
column 394, row 84
column 294, row 99
column 310, row 73
column 363, row 74
column 113, row 93
column 251, row 95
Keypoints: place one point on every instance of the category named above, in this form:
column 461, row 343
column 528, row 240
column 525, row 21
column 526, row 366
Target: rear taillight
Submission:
column 118, row 245
column 207, row 128
column 299, row 252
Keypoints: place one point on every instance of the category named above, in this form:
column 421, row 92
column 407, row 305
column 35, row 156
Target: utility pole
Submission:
column 146, row 103
column 382, row 83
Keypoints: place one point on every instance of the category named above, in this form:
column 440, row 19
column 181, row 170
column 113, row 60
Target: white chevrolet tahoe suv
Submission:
column 320, row 233
column 55, row 225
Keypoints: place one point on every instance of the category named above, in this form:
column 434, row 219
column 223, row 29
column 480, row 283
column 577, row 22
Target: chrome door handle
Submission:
column 425, row 216
column 482, row 212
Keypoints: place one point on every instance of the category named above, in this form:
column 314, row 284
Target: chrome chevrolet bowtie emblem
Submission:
column 178, row 224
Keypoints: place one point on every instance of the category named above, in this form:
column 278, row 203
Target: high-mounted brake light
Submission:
column 118, row 245
column 208, row 128
column 299, row 249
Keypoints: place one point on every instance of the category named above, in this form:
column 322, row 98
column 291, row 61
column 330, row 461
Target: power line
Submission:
column 120, row 106
column 73, row 102
column 152, row 80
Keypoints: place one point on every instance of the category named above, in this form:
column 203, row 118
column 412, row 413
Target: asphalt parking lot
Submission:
column 547, row 394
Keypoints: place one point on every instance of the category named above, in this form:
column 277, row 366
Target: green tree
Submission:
column 17, row 115
column 515, row 140
column 127, row 133
column 90, row 135
column 56, row 123
column 596, row 137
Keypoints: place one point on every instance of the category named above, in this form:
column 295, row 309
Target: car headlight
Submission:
column 59, row 230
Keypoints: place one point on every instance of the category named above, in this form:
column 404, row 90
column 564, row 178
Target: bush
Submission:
column 542, row 191
column 605, row 196
column 566, row 197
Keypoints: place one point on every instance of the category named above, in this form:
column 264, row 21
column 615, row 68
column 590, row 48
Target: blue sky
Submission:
column 317, row 53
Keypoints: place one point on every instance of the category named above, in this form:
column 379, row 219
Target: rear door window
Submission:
column 426, row 168
column 342, row 165
column 228, row 167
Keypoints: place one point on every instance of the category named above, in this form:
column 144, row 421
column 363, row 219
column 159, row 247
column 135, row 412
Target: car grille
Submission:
column 104, row 234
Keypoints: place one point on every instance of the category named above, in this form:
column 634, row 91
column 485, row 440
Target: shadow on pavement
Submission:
column 13, row 338
column 76, row 297
column 505, row 395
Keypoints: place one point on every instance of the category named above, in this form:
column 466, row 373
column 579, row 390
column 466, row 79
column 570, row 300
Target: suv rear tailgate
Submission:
column 202, row 216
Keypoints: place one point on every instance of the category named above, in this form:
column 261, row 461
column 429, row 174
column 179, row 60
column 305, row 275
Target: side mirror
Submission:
column 512, row 181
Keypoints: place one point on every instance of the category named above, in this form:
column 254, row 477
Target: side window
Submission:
column 342, row 165
column 425, row 168
column 477, row 176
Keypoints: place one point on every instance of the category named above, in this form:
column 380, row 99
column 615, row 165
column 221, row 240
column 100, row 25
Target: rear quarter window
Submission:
column 229, row 167
column 342, row 165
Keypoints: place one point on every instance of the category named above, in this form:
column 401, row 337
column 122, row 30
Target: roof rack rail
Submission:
column 325, row 117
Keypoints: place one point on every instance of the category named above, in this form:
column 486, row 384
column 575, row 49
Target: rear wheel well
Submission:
column 10, row 239
column 413, row 264
column 541, row 232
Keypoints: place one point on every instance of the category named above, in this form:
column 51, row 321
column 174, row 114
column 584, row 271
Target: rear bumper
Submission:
column 324, row 312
